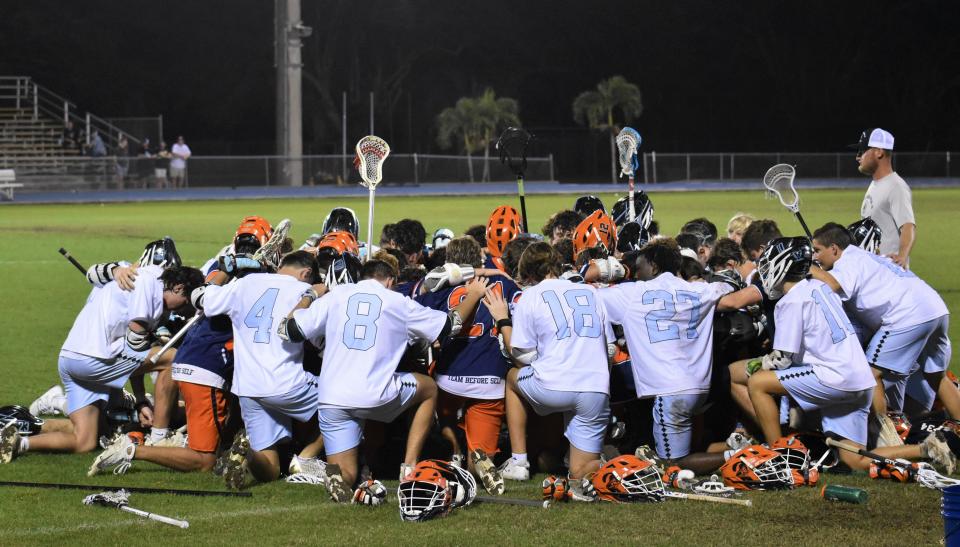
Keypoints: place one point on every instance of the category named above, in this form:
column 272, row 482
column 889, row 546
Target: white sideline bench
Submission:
column 8, row 183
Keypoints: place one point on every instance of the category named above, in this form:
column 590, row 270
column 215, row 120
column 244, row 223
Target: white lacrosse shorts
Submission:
column 673, row 423
column 269, row 420
column 585, row 414
column 88, row 380
column 843, row 413
column 342, row 428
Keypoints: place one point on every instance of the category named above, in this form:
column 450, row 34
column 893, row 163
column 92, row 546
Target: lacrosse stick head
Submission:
column 372, row 151
column 779, row 181
column 512, row 145
column 628, row 141
column 108, row 499
column 270, row 252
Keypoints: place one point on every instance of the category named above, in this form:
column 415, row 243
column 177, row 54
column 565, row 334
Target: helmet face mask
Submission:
column 433, row 489
column 632, row 236
column 628, row 478
column 797, row 456
column 757, row 467
column 786, row 257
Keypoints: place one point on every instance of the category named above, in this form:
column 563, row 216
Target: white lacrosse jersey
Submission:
column 668, row 324
column 263, row 363
column 812, row 326
column 366, row 328
column 101, row 327
column 879, row 293
column 567, row 325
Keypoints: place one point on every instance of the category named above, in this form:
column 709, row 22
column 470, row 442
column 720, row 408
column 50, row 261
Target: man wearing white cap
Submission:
column 888, row 201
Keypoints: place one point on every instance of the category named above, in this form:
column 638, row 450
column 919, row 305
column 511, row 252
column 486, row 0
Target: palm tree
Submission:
column 474, row 121
column 597, row 110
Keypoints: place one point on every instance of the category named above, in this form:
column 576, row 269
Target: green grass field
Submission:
column 42, row 294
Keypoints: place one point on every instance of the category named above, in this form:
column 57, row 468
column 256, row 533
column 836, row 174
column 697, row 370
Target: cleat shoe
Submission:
column 515, row 470
column 646, row 453
column 739, row 440
column 235, row 462
column 489, row 474
column 9, row 441
column 405, row 469
column 581, row 490
column 336, row 487
column 118, row 455
column 52, row 403
column 457, row 460
column 936, row 449
column 314, row 467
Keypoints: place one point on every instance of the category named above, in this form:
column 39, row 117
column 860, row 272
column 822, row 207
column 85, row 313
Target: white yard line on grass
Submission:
column 135, row 521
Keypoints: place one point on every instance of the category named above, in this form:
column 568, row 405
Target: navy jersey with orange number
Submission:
column 205, row 356
column 472, row 365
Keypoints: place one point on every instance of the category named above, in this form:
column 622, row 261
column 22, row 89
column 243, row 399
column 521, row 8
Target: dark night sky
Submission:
column 715, row 76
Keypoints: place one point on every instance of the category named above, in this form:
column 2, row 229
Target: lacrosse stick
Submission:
column 372, row 151
column 120, row 499
column 779, row 182
column 512, row 145
column 702, row 497
column 176, row 337
column 628, row 141
column 928, row 477
column 72, row 260
column 924, row 473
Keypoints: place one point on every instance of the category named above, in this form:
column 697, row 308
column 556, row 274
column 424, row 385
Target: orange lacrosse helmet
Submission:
column 503, row 227
column 256, row 229
column 343, row 242
column 628, row 478
column 424, row 493
column 797, row 456
column 595, row 230
column 757, row 467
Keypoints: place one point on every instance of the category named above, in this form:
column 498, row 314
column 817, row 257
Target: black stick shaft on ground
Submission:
column 66, row 254
column 132, row 489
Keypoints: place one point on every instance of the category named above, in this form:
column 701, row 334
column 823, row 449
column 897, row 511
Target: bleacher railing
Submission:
column 122, row 172
column 722, row 167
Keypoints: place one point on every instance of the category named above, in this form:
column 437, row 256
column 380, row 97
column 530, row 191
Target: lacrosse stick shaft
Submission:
column 366, row 256
column 523, row 202
column 73, row 261
column 176, row 337
column 865, row 453
column 804, row 225
column 509, row 501
column 156, row 517
column 712, row 499
column 133, row 489
column 633, row 210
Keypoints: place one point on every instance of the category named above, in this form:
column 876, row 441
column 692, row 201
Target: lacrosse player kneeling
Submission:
column 559, row 341
column 366, row 327
column 108, row 344
column 817, row 360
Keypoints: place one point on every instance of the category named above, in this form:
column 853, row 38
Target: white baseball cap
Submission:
column 874, row 138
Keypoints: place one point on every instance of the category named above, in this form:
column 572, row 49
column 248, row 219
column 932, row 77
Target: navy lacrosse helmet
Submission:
column 866, row 234
column 337, row 268
column 784, row 257
column 341, row 219
column 585, row 205
column 162, row 252
column 632, row 237
column 642, row 206
column 27, row 424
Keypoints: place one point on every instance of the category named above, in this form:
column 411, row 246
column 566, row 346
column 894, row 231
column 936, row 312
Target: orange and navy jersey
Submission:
column 208, row 346
column 475, row 353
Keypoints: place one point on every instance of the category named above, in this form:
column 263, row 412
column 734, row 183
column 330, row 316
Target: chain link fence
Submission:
column 730, row 166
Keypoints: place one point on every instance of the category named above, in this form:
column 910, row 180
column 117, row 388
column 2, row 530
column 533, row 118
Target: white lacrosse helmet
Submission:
column 425, row 493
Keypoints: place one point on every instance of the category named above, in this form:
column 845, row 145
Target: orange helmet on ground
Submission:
column 628, row 478
column 757, row 467
column 596, row 229
column 424, row 493
column 253, row 231
column 503, row 227
column 343, row 242
column 797, row 456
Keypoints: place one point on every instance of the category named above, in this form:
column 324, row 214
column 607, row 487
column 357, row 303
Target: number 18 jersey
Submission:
column 366, row 329
column 668, row 324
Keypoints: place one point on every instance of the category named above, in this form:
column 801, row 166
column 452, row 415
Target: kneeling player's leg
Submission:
column 206, row 408
column 738, row 388
column 482, row 421
column 585, row 428
column 763, row 385
column 448, row 406
column 83, row 437
column 516, row 411
column 425, row 399
column 673, row 432
column 342, row 434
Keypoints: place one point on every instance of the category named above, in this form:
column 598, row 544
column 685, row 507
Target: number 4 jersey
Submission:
column 812, row 326
column 263, row 363
column 668, row 324
column 366, row 329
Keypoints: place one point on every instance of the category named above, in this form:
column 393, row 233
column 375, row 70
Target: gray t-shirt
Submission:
column 889, row 204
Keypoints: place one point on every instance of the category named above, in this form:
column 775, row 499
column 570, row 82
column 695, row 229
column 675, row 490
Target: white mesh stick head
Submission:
column 627, row 143
column 110, row 499
column 779, row 181
column 271, row 250
column 372, row 151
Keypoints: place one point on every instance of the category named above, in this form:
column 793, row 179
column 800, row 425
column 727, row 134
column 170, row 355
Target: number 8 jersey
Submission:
column 366, row 329
column 668, row 324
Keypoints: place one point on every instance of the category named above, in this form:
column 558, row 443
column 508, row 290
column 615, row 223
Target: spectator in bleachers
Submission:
column 70, row 137
column 161, row 165
column 97, row 148
column 178, row 163
column 123, row 159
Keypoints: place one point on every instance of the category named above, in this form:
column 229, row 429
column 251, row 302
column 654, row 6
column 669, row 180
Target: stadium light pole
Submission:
column 289, row 31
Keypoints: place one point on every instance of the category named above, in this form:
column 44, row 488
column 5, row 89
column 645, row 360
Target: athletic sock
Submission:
column 519, row 458
column 24, row 445
column 158, row 433
column 727, row 454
